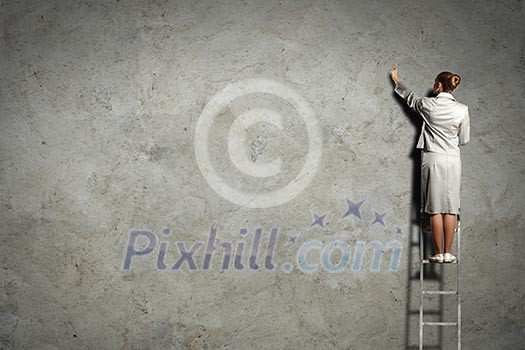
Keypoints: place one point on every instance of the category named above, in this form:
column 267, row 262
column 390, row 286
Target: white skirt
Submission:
column 440, row 182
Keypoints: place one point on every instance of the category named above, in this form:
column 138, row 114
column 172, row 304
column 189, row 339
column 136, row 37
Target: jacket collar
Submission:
column 446, row 94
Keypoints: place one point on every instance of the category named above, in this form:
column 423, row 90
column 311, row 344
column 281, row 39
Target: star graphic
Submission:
column 318, row 220
column 291, row 239
column 353, row 208
column 398, row 231
column 378, row 218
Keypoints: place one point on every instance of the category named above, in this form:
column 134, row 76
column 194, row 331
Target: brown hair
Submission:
column 450, row 81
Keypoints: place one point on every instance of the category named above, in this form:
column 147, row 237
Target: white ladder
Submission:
column 423, row 292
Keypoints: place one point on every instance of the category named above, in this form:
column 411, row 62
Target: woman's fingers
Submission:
column 393, row 72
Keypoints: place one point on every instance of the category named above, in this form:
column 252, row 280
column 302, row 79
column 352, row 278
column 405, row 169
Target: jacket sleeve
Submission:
column 415, row 102
column 464, row 129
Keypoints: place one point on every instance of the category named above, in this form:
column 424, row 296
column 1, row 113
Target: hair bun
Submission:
column 455, row 81
column 449, row 80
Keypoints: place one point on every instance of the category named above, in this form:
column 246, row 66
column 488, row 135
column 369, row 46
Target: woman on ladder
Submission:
column 446, row 126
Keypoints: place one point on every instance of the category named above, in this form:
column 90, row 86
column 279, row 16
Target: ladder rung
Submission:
column 429, row 312
column 426, row 261
column 440, row 323
column 440, row 292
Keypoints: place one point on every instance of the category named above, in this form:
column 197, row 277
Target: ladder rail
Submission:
column 421, row 267
column 458, row 228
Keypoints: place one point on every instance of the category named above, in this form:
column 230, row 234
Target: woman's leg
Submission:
column 449, row 221
column 437, row 232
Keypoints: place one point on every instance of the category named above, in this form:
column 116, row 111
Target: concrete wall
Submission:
column 105, row 108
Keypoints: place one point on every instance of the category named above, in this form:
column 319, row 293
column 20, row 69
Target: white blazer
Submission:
column 446, row 123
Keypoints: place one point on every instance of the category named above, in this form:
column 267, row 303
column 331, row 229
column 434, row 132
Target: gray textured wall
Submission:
column 102, row 109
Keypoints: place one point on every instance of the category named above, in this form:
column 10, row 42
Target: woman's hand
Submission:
column 393, row 74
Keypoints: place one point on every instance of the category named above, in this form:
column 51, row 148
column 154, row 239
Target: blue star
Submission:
column 291, row 239
column 398, row 231
column 378, row 218
column 353, row 208
column 318, row 220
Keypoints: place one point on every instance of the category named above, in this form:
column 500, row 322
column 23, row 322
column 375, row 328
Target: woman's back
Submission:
column 446, row 121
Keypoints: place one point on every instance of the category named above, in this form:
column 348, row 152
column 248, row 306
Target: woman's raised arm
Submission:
column 414, row 101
